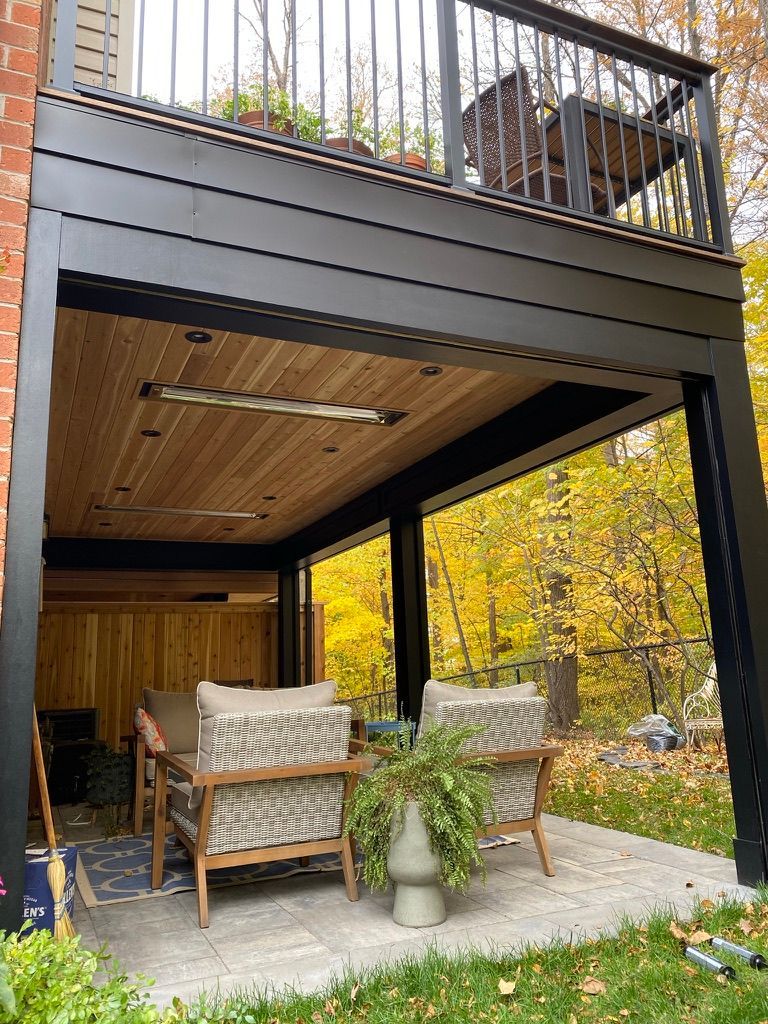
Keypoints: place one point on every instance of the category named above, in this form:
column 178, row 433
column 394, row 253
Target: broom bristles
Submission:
column 57, row 878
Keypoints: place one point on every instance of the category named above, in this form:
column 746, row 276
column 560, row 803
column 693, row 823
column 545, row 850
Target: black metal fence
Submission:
column 514, row 97
column 616, row 686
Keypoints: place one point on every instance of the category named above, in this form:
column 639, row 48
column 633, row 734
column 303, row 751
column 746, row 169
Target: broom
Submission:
column 62, row 922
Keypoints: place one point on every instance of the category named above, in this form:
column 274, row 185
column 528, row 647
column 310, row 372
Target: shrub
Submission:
column 52, row 982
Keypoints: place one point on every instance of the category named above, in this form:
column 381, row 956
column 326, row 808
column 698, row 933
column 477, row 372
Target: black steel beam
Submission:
column 21, row 596
column 309, row 629
column 558, row 421
column 409, row 612
column 166, row 556
column 733, row 517
column 288, row 627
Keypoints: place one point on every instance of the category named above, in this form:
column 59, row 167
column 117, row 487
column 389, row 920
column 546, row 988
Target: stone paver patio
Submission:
column 302, row 930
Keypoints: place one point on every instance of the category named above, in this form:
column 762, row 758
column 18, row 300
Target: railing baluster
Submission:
column 692, row 194
column 624, row 166
column 424, row 103
column 520, row 110
column 107, row 46
column 476, row 83
column 603, row 141
column 294, row 72
column 400, row 106
column 641, row 148
column 321, row 56
column 174, row 39
column 499, row 114
column 660, row 177
column 542, row 118
column 375, row 82
column 140, row 55
column 563, row 126
column 583, row 121
column 206, row 20
column 265, row 64
column 348, row 59
column 64, row 53
column 450, row 92
column 707, row 110
column 236, row 63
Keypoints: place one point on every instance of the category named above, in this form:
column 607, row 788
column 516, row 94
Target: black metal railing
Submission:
column 616, row 686
column 520, row 99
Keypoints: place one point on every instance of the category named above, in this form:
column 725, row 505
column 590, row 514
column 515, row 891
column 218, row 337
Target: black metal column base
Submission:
column 750, row 862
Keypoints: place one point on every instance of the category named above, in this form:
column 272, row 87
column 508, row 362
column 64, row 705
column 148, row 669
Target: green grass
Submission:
column 685, row 808
column 645, row 979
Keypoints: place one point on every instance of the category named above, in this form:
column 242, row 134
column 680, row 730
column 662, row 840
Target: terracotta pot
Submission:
column 409, row 160
column 343, row 143
column 255, row 119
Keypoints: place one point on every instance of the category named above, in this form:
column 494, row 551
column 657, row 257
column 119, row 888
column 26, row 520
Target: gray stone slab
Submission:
column 205, row 969
column 229, row 914
column 155, row 943
column 569, row 878
column 618, row 893
column 528, row 901
column 305, row 974
column 256, row 950
column 120, row 917
column 598, row 918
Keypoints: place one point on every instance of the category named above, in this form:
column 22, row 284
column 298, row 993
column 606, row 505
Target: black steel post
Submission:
column 409, row 612
column 309, row 630
column 733, row 518
column 64, row 46
column 651, row 687
column 450, row 92
column 712, row 163
column 288, row 627
column 21, row 596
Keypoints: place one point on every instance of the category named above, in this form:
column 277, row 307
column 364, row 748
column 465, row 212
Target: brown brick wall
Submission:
column 19, row 39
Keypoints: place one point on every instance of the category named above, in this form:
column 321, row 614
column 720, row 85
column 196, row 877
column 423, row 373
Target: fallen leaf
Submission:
column 623, row 1013
column 507, row 987
column 536, row 968
column 689, row 885
column 745, row 926
column 699, row 936
column 592, row 986
column 329, row 1008
column 677, row 931
column 317, row 1017
column 721, row 979
column 355, row 990
column 707, row 904
column 624, row 853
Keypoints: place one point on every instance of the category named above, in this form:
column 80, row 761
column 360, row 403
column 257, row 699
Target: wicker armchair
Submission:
column 275, row 789
column 502, row 126
column 512, row 738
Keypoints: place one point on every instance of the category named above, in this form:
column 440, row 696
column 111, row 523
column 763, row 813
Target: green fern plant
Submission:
column 453, row 792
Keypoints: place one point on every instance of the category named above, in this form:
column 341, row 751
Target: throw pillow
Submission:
column 151, row 732
column 436, row 692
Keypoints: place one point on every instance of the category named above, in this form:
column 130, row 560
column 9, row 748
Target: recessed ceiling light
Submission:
column 123, row 490
column 227, row 529
column 198, row 337
column 269, row 497
column 164, row 510
column 151, row 433
column 242, row 401
column 331, row 448
column 105, row 524
column 431, row 371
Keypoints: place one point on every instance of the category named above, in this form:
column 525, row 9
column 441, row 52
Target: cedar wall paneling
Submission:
column 102, row 655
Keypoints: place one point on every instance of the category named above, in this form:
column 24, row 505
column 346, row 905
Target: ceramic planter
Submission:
column 255, row 119
column 414, row 869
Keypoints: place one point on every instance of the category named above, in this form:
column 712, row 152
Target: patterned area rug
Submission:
column 118, row 870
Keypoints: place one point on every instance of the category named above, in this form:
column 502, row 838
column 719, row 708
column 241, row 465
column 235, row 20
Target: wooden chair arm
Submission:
column 286, row 771
column 361, row 746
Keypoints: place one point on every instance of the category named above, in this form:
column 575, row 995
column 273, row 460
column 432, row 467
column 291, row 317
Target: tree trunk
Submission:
column 561, row 670
column 436, row 633
column 493, row 636
column 452, row 599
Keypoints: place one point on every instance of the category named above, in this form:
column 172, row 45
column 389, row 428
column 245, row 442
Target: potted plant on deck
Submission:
column 416, row 818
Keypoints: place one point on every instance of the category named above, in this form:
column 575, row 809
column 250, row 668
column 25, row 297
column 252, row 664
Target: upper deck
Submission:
column 515, row 102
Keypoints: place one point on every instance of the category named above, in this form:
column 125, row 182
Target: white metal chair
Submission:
column 702, row 712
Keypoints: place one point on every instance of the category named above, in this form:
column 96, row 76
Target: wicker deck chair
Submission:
column 514, row 106
column 512, row 738
column 275, row 789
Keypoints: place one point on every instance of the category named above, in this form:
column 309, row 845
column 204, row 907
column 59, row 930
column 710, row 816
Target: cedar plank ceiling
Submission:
column 229, row 460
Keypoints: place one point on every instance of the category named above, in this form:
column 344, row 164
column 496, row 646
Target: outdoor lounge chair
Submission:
column 274, row 788
column 512, row 739
column 501, row 128
column 702, row 712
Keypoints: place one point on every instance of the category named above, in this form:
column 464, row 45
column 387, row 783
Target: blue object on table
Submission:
column 38, row 901
column 371, row 727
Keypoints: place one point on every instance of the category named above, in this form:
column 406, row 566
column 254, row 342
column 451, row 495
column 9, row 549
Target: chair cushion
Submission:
column 215, row 700
column 177, row 714
column 436, row 693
